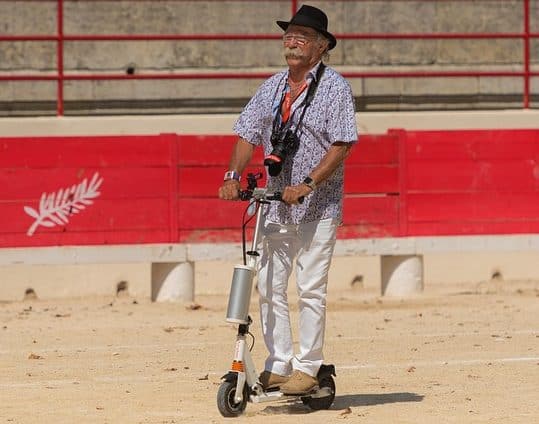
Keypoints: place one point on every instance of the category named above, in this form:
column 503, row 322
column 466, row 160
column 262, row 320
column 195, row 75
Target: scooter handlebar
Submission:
column 278, row 196
column 261, row 194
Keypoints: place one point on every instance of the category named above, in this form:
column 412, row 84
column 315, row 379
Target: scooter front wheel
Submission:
column 228, row 407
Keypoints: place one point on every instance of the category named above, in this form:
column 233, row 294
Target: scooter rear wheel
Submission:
column 325, row 402
column 228, row 407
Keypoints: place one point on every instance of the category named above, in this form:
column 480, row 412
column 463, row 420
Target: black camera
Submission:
column 283, row 146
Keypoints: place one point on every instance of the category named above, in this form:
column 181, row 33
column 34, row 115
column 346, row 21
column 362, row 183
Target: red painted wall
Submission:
column 472, row 182
column 134, row 200
column 162, row 188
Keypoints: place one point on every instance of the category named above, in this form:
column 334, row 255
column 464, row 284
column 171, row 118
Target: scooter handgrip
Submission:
column 278, row 196
column 275, row 196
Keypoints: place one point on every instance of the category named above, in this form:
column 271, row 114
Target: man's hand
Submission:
column 230, row 190
column 291, row 194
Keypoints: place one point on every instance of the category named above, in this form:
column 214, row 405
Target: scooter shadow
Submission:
column 295, row 406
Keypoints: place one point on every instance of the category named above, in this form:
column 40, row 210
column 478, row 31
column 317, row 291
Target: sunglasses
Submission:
column 301, row 40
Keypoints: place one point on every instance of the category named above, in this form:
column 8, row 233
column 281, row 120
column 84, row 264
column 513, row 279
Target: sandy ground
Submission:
column 455, row 354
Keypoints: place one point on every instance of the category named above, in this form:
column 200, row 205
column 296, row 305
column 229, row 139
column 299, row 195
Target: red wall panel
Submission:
column 121, row 183
column 365, row 210
column 84, row 238
column 480, row 227
column 469, row 145
column 101, row 215
column 363, row 179
column 499, row 175
column 205, row 181
column 128, row 203
column 211, row 213
column 371, row 172
column 382, row 149
column 209, row 150
column 472, row 182
column 163, row 188
column 472, row 206
column 113, row 151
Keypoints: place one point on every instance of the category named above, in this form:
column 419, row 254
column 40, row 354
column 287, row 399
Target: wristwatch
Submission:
column 309, row 182
column 232, row 175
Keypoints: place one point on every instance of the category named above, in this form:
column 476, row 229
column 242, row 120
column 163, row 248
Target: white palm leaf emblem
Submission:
column 55, row 208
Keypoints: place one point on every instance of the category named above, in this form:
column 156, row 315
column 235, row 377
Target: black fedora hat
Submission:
column 311, row 17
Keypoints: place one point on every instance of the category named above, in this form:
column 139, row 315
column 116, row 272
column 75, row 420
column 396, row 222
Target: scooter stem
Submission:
column 252, row 258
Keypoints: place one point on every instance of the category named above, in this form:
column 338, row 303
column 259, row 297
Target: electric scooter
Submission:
column 241, row 384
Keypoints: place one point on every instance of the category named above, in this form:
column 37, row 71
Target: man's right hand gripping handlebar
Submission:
column 230, row 190
column 294, row 195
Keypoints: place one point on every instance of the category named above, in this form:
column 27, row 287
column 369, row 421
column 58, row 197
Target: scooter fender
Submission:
column 230, row 376
column 326, row 370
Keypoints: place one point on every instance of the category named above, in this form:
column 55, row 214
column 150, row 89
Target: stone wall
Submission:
column 258, row 17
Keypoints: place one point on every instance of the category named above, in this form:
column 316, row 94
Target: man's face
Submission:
column 302, row 45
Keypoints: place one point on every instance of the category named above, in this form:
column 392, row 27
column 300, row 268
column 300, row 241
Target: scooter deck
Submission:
column 273, row 395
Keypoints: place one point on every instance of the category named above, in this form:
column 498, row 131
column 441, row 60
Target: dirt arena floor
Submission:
column 457, row 354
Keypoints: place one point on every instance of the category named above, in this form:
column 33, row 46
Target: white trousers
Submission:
column 311, row 245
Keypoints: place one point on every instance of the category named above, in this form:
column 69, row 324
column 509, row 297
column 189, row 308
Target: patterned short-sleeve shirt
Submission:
column 330, row 118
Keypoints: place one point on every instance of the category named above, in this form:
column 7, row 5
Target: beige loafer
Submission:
column 270, row 380
column 299, row 383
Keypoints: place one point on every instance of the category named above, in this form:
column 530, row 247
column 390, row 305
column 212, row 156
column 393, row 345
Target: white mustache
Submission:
column 294, row 52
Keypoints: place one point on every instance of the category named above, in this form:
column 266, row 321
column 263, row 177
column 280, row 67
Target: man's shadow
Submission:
column 344, row 402
column 347, row 401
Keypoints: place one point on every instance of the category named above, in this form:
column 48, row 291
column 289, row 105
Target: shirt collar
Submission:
column 312, row 72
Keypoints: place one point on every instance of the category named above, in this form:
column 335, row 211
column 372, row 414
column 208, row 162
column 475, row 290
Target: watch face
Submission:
column 309, row 182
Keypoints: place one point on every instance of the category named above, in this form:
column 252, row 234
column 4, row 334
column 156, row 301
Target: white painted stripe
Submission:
column 114, row 348
column 452, row 362
column 156, row 346
column 490, row 333
column 199, row 374
column 121, row 379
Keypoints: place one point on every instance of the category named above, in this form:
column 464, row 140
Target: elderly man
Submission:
column 304, row 119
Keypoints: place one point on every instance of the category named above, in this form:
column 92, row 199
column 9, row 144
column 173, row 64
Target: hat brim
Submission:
column 328, row 35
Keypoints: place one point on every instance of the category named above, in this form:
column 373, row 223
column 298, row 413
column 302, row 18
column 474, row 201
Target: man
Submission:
column 324, row 130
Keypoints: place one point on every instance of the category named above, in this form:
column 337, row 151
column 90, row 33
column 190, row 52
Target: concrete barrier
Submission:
column 173, row 277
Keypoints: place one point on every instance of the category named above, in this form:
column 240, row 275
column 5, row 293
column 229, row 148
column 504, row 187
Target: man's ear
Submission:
column 324, row 45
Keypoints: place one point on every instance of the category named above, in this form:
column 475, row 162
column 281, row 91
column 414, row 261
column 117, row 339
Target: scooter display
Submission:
column 241, row 384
